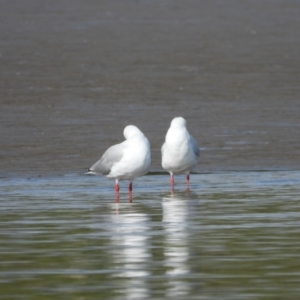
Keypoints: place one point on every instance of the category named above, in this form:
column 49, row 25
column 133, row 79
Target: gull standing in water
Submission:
column 127, row 160
column 180, row 151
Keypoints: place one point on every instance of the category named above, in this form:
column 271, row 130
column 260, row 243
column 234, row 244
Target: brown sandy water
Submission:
column 74, row 73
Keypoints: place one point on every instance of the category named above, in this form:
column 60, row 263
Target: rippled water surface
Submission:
column 234, row 236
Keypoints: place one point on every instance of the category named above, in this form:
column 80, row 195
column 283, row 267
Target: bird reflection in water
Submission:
column 130, row 197
column 176, row 252
column 131, row 256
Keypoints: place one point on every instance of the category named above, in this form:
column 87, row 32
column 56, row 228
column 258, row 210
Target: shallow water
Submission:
column 234, row 236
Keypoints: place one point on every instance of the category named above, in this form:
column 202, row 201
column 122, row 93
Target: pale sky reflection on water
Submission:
column 237, row 231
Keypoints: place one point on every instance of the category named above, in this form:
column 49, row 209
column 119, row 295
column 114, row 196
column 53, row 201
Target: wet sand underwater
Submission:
column 73, row 74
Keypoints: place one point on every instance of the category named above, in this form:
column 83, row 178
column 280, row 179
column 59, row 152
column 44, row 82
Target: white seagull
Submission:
column 180, row 150
column 127, row 160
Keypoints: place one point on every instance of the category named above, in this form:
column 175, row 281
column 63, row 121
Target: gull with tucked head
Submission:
column 180, row 151
column 127, row 160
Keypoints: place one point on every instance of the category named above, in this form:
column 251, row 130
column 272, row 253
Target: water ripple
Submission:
column 234, row 236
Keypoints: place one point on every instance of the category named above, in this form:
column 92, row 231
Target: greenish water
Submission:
column 234, row 236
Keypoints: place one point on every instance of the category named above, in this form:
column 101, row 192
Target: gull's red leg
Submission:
column 188, row 182
column 117, row 188
column 130, row 192
column 172, row 182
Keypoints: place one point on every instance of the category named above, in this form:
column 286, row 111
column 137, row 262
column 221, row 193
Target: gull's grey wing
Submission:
column 111, row 156
column 195, row 146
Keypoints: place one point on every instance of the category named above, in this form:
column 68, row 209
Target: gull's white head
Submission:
column 130, row 131
column 178, row 122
